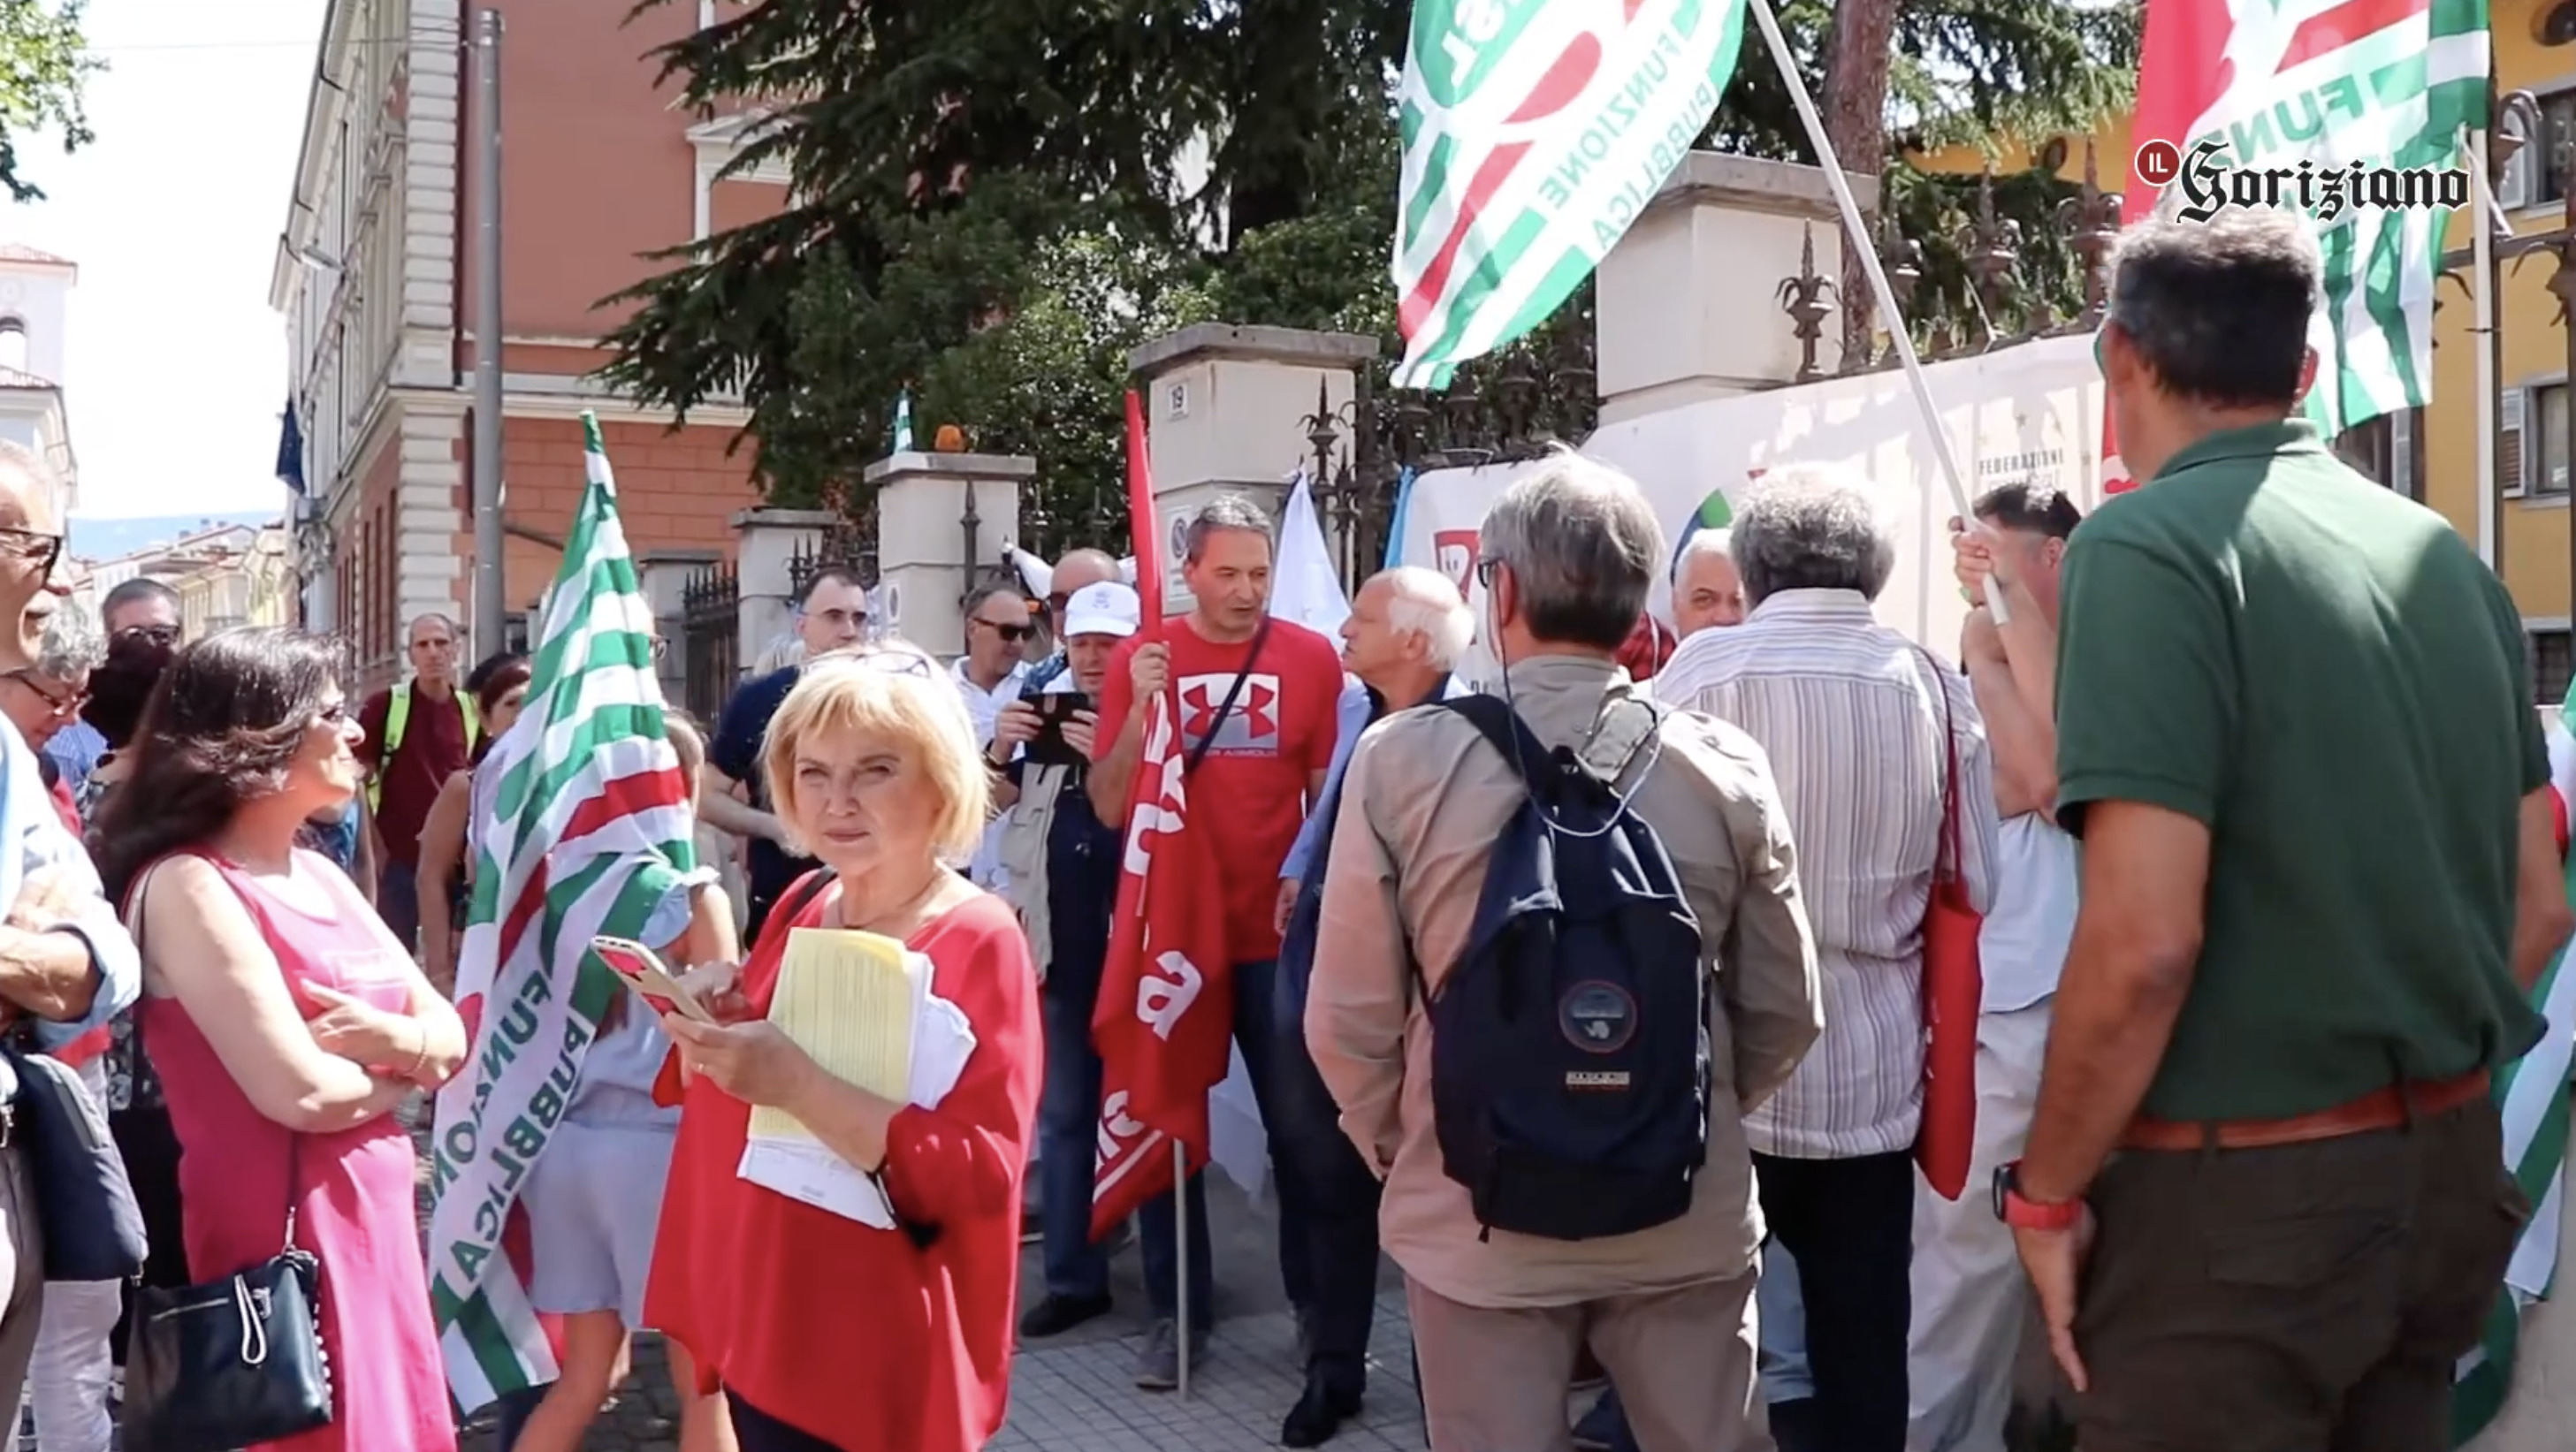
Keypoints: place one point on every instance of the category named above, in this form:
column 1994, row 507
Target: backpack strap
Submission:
column 1502, row 728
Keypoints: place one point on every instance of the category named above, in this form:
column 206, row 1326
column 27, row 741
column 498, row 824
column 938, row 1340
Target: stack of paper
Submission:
column 860, row 1004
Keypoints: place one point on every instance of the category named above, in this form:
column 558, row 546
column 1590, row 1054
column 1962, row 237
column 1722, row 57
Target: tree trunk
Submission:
column 1857, row 49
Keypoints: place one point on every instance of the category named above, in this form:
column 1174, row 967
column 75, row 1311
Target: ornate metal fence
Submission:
column 711, row 632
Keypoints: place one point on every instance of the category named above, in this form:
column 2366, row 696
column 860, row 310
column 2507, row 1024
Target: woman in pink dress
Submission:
column 285, row 1022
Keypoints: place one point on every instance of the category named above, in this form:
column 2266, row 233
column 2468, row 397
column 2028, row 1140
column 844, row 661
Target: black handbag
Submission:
column 93, row 1229
column 234, row 1362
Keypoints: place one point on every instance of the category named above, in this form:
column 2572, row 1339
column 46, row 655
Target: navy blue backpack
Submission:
column 1569, row 1042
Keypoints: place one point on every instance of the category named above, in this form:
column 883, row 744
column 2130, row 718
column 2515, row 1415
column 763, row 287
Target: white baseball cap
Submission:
column 1107, row 608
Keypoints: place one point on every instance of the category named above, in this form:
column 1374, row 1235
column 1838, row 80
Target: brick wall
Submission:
column 674, row 491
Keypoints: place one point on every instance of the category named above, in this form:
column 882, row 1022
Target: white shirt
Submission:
column 2022, row 947
column 1847, row 711
column 984, row 707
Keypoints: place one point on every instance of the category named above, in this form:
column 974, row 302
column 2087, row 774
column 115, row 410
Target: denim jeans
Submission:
column 1068, row 1136
column 1341, row 1203
column 1258, row 1034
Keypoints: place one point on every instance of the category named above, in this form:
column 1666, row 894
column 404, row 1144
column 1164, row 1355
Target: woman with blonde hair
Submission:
column 826, row 1334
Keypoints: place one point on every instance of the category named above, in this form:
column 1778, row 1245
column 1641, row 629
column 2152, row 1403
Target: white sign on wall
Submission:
column 2027, row 413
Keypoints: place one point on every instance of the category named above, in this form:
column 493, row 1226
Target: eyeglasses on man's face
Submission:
column 157, row 634
column 61, row 700
column 1011, row 631
column 32, row 547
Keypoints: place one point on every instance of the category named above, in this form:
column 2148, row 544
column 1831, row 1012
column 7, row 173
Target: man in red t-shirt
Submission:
column 437, row 734
column 1266, row 755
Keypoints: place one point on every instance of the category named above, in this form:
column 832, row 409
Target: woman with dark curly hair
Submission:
column 285, row 1021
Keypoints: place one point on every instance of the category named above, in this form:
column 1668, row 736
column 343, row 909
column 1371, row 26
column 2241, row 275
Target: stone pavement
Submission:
column 1077, row 1393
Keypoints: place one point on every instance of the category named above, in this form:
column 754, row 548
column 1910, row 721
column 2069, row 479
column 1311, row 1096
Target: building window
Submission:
column 13, row 345
column 2531, row 456
column 2389, row 448
column 2553, row 665
column 2538, row 175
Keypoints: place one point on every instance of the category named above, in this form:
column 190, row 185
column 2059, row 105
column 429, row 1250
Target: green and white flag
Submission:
column 2354, row 96
column 582, row 826
column 2533, row 1092
column 1535, row 132
column 903, row 422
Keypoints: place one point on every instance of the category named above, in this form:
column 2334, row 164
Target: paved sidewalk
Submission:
column 1077, row 1392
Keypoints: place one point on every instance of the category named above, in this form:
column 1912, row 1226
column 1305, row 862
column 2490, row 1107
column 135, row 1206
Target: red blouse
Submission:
column 841, row 1331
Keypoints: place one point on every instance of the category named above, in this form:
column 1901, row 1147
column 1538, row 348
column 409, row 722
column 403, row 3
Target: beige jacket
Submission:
column 1424, row 799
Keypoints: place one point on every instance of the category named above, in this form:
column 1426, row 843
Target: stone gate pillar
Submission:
column 942, row 521
column 1227, row 408
column 1687, row 305
column 770, row 538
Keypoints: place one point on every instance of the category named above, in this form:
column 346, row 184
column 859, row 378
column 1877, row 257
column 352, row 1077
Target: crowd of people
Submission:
column 1591, row 995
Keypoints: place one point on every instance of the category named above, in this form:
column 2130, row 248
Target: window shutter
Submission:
column 2401, row 453
column 2509, row 441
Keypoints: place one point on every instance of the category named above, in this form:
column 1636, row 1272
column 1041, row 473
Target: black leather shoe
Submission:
column 1319, row 1413
column 1055, row 1315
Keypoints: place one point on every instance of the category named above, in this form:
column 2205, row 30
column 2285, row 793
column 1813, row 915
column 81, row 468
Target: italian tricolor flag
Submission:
column 2333, row 82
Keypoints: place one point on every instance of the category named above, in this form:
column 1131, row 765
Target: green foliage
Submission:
column 43, row 65
column 997, row 200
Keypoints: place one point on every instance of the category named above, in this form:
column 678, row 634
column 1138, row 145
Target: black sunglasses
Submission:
column 1011, row 632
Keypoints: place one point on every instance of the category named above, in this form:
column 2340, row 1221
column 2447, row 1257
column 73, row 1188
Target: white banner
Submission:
column 2029, row 412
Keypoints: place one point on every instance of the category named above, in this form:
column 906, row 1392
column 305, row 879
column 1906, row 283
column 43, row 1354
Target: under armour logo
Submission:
column 1202, row 712
column 1257, row 705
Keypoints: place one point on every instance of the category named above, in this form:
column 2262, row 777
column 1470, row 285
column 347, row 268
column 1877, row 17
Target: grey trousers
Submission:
column 22, row 1275
column 1496, row 1380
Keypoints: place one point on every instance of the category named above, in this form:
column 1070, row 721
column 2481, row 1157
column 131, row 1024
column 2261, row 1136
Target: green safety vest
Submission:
column 397, row 716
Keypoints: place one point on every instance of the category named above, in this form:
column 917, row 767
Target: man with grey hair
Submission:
column 419, row 732
column 1875, row 740
column 46, row 694
column 2319, row 878
column 1567, row 556
column 1253, row 697
column 67, row 965
column 1707, row 589
column 1406, row 630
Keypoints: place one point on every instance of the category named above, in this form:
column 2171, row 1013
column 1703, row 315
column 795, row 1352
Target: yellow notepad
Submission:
column 850, row 1000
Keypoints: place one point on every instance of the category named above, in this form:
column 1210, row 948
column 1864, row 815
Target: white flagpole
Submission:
column 2482, row 220
column 1856, row 235
column 1181, row 1275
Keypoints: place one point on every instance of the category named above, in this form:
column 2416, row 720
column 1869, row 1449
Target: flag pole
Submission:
column 2482, row 280
column 1181, row 1235
column 1856, row 235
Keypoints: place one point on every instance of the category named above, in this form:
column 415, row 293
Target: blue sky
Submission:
column 178, row 368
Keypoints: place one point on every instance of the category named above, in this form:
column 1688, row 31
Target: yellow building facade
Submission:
column 2431, row 453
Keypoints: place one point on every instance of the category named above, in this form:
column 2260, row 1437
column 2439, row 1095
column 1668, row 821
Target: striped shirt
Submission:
column 1845, row 709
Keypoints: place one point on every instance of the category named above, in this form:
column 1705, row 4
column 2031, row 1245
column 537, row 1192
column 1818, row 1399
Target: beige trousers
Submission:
column 1683, row 1360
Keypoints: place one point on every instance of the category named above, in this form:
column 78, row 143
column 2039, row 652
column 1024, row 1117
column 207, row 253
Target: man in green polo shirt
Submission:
column 2295, row 736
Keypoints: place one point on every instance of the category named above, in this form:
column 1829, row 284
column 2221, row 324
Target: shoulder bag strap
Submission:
column 1216, row 723
column 1946, row 865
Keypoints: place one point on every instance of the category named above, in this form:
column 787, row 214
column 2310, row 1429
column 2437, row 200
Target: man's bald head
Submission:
column 1073, row 572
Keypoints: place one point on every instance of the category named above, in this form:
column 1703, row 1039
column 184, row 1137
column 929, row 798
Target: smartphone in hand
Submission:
column 641, row 970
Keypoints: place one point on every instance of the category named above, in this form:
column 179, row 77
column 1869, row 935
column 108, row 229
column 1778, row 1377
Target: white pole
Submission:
column 1181, row 1235
column 2483, row 338
column 1856, row 235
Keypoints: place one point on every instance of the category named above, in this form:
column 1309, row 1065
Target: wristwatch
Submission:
column 2022, row 1214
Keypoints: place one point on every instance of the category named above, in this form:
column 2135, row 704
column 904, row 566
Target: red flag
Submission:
column 1164, row 1019
column 1145, row 537
column 2183, row 70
